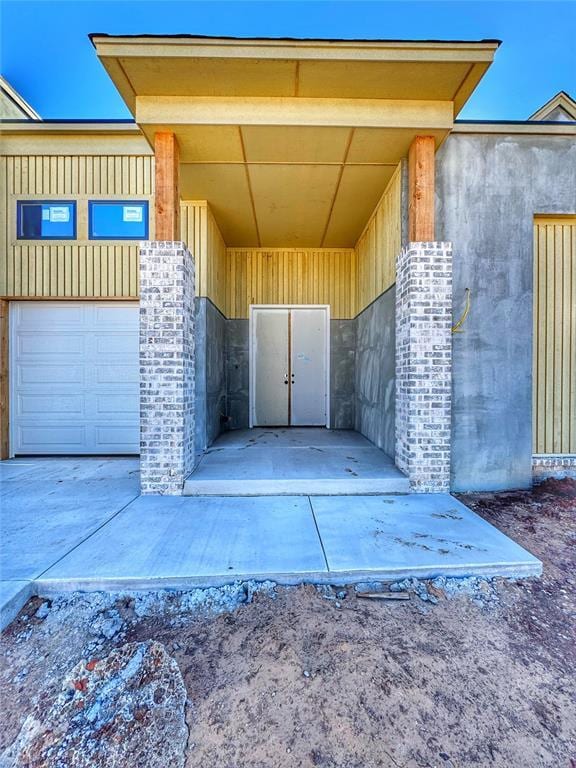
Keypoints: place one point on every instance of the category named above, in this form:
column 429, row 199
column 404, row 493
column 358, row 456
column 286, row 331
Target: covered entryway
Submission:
column 74, row 377
column 289, row 366
column 295, row 172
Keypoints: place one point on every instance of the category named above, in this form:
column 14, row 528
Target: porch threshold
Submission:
column 305, row 461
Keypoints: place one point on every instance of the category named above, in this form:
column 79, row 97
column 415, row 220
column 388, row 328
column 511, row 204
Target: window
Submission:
column 48, row 220
column 117, row 220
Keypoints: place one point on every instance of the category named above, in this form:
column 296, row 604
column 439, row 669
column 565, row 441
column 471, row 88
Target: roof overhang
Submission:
column 20, row 103
column 292, row 141
column 72, row 137
column 561, row 104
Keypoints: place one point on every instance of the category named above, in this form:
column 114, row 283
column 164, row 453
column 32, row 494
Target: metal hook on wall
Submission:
column 457, row 327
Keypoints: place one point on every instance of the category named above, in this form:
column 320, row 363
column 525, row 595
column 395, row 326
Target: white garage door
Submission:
column 74, row 377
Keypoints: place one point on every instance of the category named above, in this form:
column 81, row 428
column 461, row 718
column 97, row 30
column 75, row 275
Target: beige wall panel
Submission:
column 379, row 245
column 200, row 232
column 82, row 268
column 291, row 276
column 554, row 360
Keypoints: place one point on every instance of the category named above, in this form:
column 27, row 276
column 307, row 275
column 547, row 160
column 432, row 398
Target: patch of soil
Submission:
column 295, row 679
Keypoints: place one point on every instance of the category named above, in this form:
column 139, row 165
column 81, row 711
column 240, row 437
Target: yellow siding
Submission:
column 379, row 244
column 59, row 269
column 200, row 232
column 291, row 276
column 554, row 379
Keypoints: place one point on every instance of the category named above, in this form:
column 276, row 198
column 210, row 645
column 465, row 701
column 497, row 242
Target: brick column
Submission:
column 166, row 366
column 424, row 364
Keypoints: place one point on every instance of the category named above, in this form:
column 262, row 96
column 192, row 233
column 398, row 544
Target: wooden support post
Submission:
column 4, row 383
column 167, row 192
column 421, row 190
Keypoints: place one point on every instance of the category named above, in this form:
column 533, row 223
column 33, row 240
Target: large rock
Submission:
column 123, row 711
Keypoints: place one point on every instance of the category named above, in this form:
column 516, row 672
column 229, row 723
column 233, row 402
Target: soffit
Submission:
column 292, row 142
column 289, row 186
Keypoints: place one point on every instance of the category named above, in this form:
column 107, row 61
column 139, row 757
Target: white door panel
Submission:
column 74, row 374
column 270, row 380
column 289, row 366
column 308, row 390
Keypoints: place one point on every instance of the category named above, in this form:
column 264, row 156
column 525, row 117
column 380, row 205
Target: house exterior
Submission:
column 292, row 232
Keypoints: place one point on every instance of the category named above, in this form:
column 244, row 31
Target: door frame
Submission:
column 252, row 352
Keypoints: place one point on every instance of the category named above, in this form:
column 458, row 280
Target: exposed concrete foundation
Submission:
column 424, row 364
column 167, row 375
column 237, row 374
column 547, row 466
column 342, row 372
column 210, row 330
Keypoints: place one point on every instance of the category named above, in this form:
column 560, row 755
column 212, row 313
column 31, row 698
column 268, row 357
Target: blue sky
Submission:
column 46, row 54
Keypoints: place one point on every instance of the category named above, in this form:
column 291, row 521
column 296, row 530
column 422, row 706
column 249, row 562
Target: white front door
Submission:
column 74, row 369
column 289, row 377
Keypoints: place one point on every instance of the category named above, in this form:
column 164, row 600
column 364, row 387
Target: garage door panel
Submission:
column 47, row 315
column 46, row 344
column 126, row 405
column 123, row 344
column 121, row 375
column 74, row 378
column 49, row 405
column 51, row 438
column 117, row 317
column 39, row 374
column 114, row 437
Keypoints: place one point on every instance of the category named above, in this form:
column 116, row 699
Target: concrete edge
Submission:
column 519, row 570
column 311, row 487
column 12, row 607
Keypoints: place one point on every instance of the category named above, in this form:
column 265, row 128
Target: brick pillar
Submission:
column 424, row 364
column 166, row 366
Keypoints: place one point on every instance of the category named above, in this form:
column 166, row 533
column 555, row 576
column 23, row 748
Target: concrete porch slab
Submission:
column 292, row 461
column 423, row 535
column 172, row 541
column 75, row 524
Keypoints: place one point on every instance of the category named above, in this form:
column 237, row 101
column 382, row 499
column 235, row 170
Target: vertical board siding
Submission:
column 379, row 245
column 554, row 375
column 200, row 232
column 79, row 269
column 291, row 276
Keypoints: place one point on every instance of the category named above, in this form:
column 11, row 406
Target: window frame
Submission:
column 19, row 211
column 144, row 203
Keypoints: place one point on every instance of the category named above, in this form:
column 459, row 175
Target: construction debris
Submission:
column 384, row 595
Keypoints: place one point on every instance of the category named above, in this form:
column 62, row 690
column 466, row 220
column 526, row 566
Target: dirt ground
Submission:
column 296, row 679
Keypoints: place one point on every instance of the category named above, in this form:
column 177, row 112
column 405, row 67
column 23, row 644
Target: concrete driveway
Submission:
column 70, row 524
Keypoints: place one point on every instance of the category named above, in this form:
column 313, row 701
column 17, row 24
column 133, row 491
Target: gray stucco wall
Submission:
column 210, row 372
column 237, row 373
column 375, row 371
column 488, row 190
column 342, row 366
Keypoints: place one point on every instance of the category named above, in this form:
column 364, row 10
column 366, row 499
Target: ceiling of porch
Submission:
column 291, row 142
